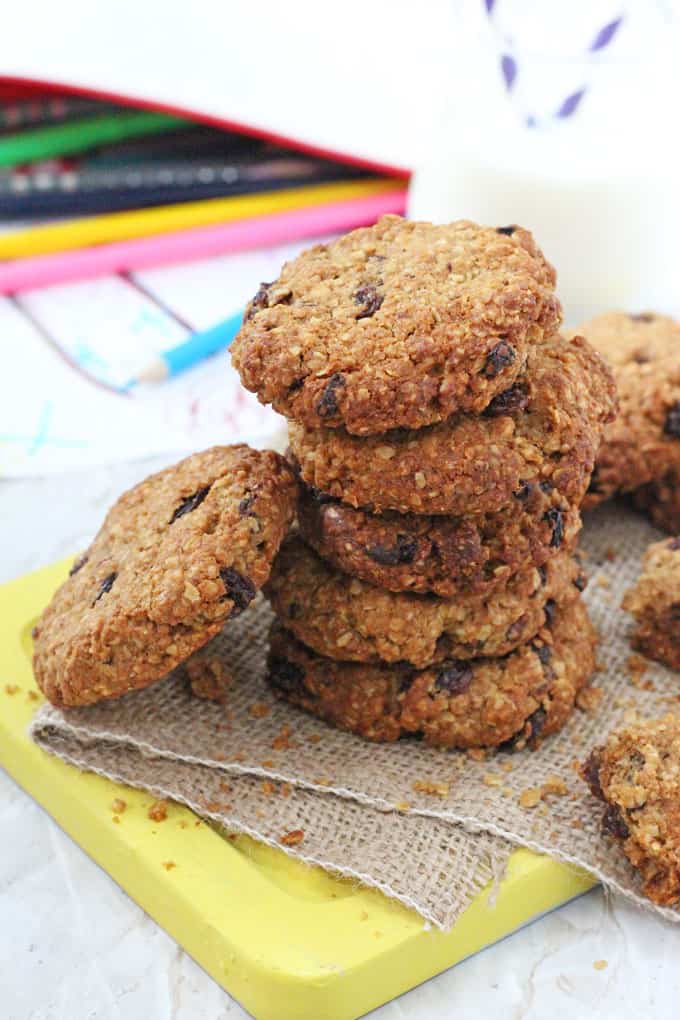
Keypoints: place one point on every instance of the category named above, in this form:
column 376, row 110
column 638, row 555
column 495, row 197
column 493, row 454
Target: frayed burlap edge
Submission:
column 280, row 744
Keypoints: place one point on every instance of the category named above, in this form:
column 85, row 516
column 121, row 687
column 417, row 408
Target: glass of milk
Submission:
column 563, row 117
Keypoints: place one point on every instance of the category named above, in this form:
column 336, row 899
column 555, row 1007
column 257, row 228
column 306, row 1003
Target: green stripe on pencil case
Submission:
column 79, row 136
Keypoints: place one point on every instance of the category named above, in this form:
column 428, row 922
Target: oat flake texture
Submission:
column 349, row 796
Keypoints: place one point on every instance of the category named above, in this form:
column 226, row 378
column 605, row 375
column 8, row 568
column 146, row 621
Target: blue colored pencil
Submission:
column 192, row 350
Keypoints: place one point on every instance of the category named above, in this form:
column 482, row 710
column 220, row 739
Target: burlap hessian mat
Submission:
column 427, row 827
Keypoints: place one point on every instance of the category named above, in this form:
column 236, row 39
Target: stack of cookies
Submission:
column 444, row 435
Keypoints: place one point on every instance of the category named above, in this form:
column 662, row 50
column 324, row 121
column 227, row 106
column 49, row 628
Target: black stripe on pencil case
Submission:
column 66, row 193
column 45, row 110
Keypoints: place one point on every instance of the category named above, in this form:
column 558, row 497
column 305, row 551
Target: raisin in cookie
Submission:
column 643, row 442
column 512, row 702
column 397, row 325
column 343, row 618
column 637, row 775
column 654, row 601
column 660, row 500
column 450, row 556
column 545, row 429
column 177, row 555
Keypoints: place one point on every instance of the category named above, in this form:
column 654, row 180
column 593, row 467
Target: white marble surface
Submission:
column 73, row 946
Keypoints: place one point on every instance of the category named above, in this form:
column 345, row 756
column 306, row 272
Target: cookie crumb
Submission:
column 403, row 805
column 363, row 916
column 430, row 787
column 602, row 581
column 268, row 788
column 637, row 664
column 492, row 779
column 208, row 678
column 33, row 696
column 158, row 811
column 168, row 865
column 293, row 838
column 477, row 753
column 12, row 689
column 282, row 741
column 530, row 798
column 118, row 806
column 314, row 738
column 259, row 710
column 589, row 699
column 610, row 554
column 600, row 964
column 554, row 786
column 637, row 667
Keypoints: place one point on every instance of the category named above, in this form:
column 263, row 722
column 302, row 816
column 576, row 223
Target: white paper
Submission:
column 53, row 419
column 69, row 349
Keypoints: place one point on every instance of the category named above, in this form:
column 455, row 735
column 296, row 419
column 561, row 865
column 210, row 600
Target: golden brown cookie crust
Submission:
column 343, row 618
column 643, row 442
column 397, row 325
column 449, row 556
column 637, row 774
column 176, row 556
column 625, row 338
column 654, row 601
column 514, row 701
column 545, row 430
column 660, row 500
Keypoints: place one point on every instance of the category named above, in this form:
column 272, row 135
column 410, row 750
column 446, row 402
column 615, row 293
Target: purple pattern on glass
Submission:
column 605, row 35
column 571, row 104
column 509, row 69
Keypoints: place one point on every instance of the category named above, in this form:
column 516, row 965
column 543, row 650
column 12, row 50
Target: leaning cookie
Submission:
column 177, row 555
column 654, row 601
column 397, row 325
column 343, row 618
column 643, row 442
column 660, row 500
column 625, row 338
column 512, row 702
column 449, row 556
column 544, row 430
column 637, row 775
